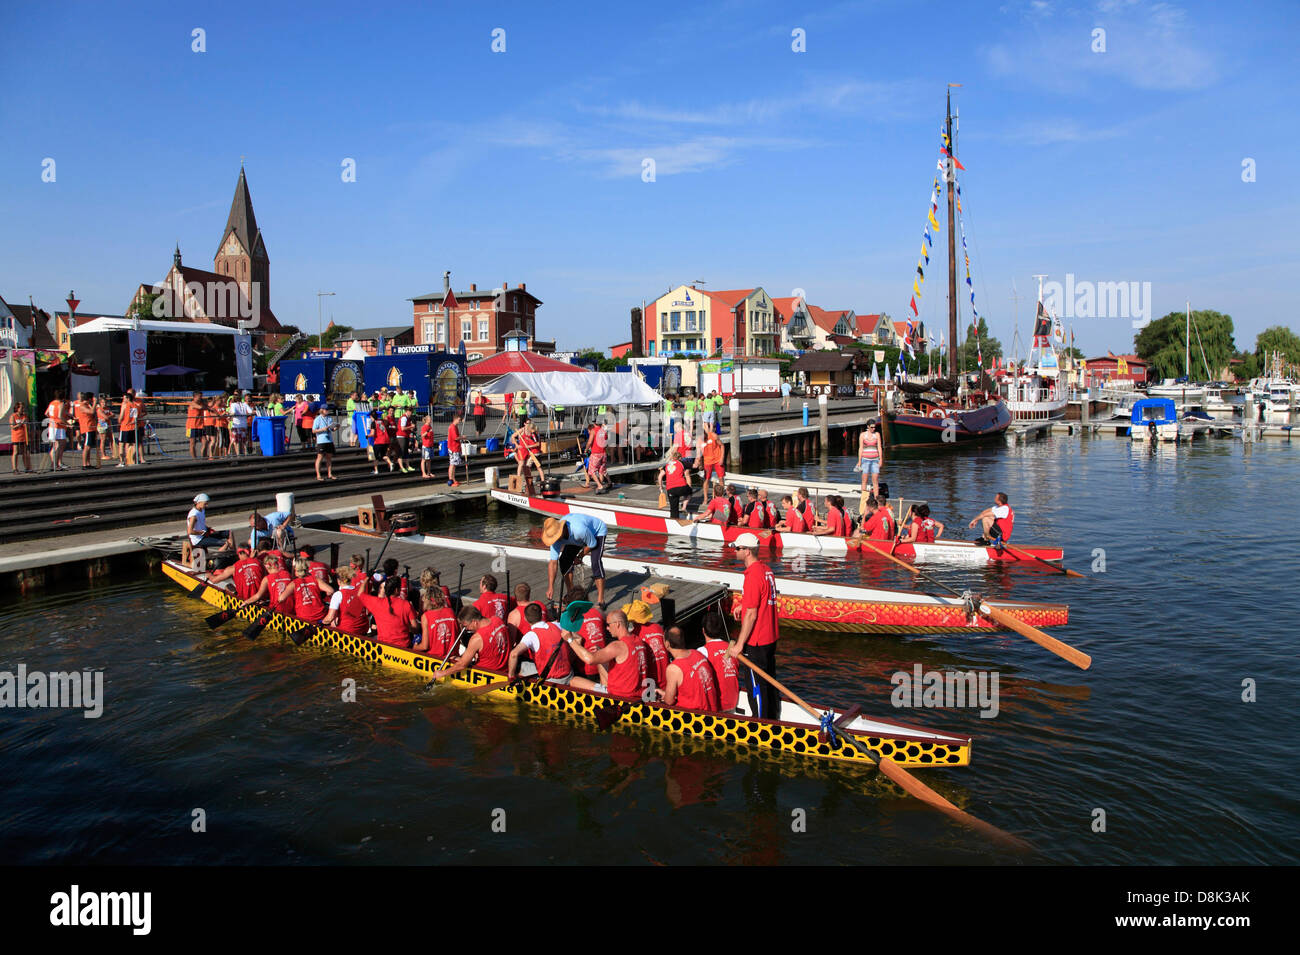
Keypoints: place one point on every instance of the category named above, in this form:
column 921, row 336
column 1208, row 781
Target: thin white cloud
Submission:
column 1149, row 46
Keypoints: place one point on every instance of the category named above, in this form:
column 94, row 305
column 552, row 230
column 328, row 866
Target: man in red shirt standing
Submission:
column 758, row 628
column 454, row 456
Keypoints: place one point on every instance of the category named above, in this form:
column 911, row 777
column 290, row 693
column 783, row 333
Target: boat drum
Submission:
column 781, row 737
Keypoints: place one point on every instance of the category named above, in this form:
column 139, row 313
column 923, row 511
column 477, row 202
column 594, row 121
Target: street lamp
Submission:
column 320, row 335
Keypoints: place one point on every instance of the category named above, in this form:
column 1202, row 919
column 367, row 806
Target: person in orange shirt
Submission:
column 711, row 454
column 128, row 428
column 59, row 418
column 18, row 424
column 84, row 412
column 104, row 427
column 140, row 430
column 194, row 423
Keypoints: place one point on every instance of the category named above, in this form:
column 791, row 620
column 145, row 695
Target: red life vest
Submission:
column 352, row 613
column 737, row 510
column 727, row 676
column 496, row 644
column 809, row 514
column 925, row 532
column 625, row 679
column 757, row 515
column 248, row 577
column 549, row 637
column 697, row 691
column 1007, row 524
column 652, row 635
column 442, row 631
column 307, row 602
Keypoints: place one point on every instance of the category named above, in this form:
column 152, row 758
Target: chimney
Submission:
column 473, row 287
column 523, row 286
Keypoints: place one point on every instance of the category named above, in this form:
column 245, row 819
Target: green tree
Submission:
column 1276, row 338
column 143, row 309
column 982, row 344
column 1164, row 347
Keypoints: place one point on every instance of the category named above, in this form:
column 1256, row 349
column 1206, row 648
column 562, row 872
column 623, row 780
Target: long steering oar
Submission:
column 910, row 784
column 1044, row 640
column 1046, row 563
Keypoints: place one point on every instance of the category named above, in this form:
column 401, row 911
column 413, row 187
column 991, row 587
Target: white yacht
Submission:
column 1036, row 392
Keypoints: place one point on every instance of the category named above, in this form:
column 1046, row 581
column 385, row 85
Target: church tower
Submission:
column 242, row 253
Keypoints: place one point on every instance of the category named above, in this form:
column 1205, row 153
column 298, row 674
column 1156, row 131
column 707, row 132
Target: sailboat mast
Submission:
column 1187, row 344
column 951, row 177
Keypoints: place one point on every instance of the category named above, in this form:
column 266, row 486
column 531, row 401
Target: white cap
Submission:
column 201, row 499
column 746, row 540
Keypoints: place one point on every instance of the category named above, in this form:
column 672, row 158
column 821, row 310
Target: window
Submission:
column 440, row 331
column 466, row 330
column 690, row 321
column 675, row 322
column 429, row 307
column 428, row 332
column 717, row 344
column 482, row 329
column 514, row 299
column 530, row 328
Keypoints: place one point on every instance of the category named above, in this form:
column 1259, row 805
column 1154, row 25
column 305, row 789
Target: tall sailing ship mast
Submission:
column 941, row 414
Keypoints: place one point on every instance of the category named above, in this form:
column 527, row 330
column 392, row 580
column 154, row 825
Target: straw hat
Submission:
column 638, row 611
column 552, row 530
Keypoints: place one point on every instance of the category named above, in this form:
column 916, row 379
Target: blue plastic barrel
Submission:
column 493, row 444
column 269, row 432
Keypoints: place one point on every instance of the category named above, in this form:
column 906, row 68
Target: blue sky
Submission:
column 789, row 170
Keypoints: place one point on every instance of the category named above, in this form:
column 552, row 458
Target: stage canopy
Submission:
column 575, row 391
column 128, row 325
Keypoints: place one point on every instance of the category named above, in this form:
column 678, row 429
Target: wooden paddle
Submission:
column 910, row 784
column 1046, row 641
column 446, row 660
column 1056, row 567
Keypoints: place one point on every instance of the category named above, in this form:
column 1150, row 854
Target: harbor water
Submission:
column 1173, row 749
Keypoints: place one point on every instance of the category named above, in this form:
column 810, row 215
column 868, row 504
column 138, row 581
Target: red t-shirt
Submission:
column 248, row 577
column 760, row 594
column 698, row 689
column 426, row 435
column 720, row 511
column 394, row 619
column 880, row 526
column 593, row 637
column 442, row 631
column 675, row 474
column 835, row 520
column 794, row 520
column 652, row 635
column 453, row 439
column 307, row 601
column 493, row 605
column 724, row 668
column 496, row 644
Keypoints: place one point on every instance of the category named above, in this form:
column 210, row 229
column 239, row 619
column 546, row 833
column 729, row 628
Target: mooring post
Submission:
column 734, row 407
column 822, row 418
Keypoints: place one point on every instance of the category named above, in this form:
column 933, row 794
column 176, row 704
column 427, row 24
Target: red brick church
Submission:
column 238, row 288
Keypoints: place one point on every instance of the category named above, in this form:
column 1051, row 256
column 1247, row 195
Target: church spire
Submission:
column 241, row 219
column 176, row 256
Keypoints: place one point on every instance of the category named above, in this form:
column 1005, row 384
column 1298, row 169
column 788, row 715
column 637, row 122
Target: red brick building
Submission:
column 479, row 318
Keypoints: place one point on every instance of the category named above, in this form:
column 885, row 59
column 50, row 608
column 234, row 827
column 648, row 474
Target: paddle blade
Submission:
column 254, row 629
column 1046, row 641
column 217, row 619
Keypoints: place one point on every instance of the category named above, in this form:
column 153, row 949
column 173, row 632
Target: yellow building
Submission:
column 692, row 321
